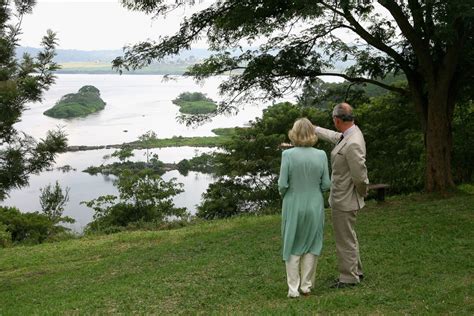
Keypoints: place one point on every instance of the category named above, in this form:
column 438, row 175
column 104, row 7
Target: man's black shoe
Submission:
column 340, row 285
column 361, row 277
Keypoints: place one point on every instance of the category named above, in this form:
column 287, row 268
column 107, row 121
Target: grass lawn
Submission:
column 418, row 254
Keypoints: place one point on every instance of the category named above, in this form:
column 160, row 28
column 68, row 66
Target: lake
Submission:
column 135, row 104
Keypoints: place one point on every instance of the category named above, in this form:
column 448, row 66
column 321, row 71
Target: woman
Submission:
column 303, row 176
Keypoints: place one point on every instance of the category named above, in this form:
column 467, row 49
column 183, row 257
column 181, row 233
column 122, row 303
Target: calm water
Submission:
column 136, row 104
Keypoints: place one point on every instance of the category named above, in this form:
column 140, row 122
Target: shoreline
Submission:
column 199, row 141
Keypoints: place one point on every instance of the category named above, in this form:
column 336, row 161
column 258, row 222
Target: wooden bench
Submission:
column 381, row 189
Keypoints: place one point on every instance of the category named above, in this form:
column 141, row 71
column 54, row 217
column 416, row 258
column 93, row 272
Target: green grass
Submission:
column 199, row 141
column 417, row 252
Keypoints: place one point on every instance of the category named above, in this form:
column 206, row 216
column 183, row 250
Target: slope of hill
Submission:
column 417, row 252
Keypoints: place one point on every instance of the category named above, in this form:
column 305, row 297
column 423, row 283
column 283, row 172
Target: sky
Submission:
column 104, row 24
column 96, row 25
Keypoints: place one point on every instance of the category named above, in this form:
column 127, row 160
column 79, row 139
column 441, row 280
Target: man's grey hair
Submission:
column 343, row 111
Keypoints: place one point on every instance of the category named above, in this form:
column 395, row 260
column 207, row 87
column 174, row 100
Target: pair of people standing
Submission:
column 303, row 176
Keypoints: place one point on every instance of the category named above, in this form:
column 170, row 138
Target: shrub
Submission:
column 250, row 162
column 463, row 142
column 143, row 197
column 394, row 142
column 53, row 200
column 192, row 97
column 5, row 236
column 30, row 228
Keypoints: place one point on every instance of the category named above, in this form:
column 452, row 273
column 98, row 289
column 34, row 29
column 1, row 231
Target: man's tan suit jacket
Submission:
column 349, row 173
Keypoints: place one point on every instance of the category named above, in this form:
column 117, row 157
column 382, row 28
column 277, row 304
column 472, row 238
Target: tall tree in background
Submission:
column 23, row 81
column 429, row 41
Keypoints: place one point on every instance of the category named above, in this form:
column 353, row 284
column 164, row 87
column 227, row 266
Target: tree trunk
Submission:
column 438, row 143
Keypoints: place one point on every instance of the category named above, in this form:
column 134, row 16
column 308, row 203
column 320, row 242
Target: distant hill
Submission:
column 99, row 61
column 73, row 55
column 74, row 61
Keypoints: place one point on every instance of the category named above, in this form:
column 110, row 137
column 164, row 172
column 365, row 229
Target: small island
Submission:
column 195, row 103
column 86, row 101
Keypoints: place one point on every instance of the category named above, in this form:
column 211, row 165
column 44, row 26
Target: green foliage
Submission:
column 117, row 168
column 52, row 201
column 390, row 79
column 394, row 142
column 89, row 90
column 194, row 103
column 227, row 131
column 5, row 236
column 183, row 166
column 191, row 97
column 143, row 197
column 227, row 198
column 86, row 101
column 28, row 228
column 147, row 140
column 463, row 142
column 23, row 81
column 197, row 107
column 250, row 162
column 319, row 94
column 203, row 163
column 175, row 141
column 34, row 228
column 123, row 153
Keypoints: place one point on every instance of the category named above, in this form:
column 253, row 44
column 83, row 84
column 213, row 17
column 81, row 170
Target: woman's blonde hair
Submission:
column 302, row 134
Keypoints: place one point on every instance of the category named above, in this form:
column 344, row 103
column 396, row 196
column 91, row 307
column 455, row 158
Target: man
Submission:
column 348, row 189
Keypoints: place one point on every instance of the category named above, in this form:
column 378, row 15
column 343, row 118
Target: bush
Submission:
column 183, row 166
column 250, row 162
column 30, row 228
column 5, row 236
column 394, row 142
column 192, row 97
column 203, row 163
column 143, row 197
column 463, row 143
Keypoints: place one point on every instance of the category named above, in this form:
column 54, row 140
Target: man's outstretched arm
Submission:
column 327, row 134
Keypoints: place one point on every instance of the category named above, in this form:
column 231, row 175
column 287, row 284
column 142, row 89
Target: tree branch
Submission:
column 421, row 49
column 366, row 80
column 417, row 13
column 370, row 39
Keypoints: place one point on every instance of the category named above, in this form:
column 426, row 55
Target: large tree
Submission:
column 429, row 41
column 23, row 81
